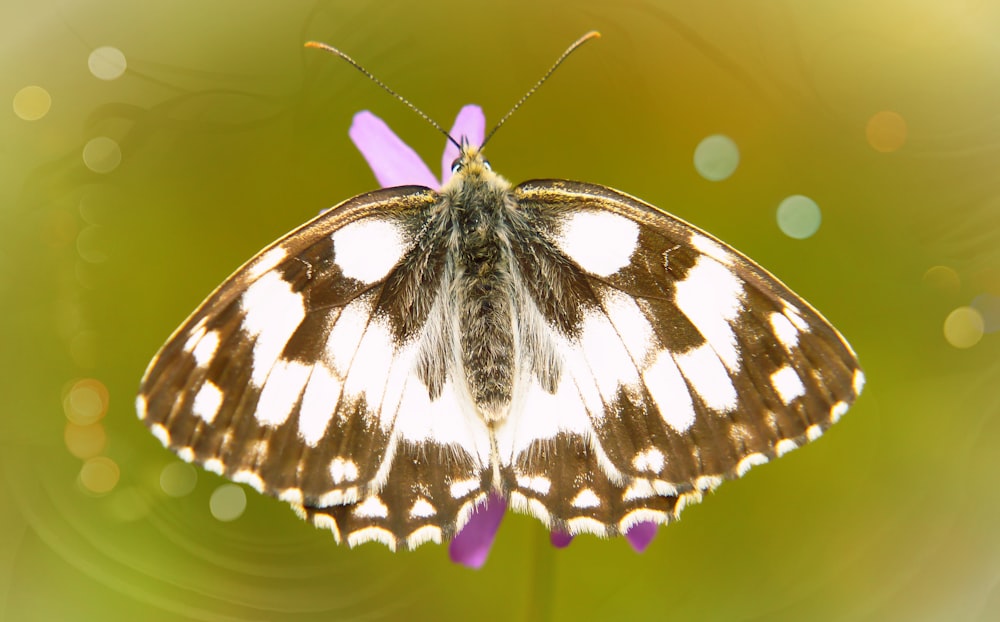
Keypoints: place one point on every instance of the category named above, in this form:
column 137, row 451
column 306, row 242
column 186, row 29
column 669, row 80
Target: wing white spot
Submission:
column 837, row 411
column 373, row 358
column 367, row 249
column 601, row 243
column 586, row 498
column 707, row 482
column 859, row 381
column 711, row 248
column 140, row 406
column 585, row 524
column 372, row 507
column 784, row 330
column 784, row 446
column 665, row 384
column 749, row 462
column 630, row 323
column 813, row 432
column 422, row 535
column 795, row 317
column 346, row 334
column 640, row 489
column 281, row 392
column 422, row 508
column 325, row 521
column 214, row 465
column 711, row 296
column 186, row 454
column 291, row 495
column 788, row 384
column 207, row 402
column 651, row 460
column 343, row 470
column 319, row 401
column 249, row 478
column 196, row 334
column 448, row 420
column 606, row 355
column 339, row 497
column 372, row 534
column 206, row 348
column 538, row 483
column 705, row 372
column 267, row 261
column 531, row 506
column 641, row 515
column 540, row 415
column 463, row 487
column 272, row 313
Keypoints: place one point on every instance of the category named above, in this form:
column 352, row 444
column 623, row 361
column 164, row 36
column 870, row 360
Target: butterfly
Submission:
column 592, row 359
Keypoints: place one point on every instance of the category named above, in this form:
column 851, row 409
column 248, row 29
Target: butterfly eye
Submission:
column 486, row 163
column 456, row 166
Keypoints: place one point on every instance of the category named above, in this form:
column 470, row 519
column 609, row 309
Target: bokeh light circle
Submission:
column 99, row 475
column 102, row 154
column 85, row 441
column 32, row 103
column 886, row 131
column 716, row 157
column 178, row 479
column 964, row 327
column 228, row 502
column 799, row 217
column 86, row 401
column 107, row 63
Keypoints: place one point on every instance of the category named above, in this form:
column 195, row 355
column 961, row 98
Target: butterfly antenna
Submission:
column 593, row 34
column 333, row 50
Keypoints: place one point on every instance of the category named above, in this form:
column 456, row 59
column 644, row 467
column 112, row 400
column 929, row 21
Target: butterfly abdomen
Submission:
column 485, row 291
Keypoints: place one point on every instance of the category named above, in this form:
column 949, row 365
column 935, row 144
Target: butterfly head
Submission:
column 471, row 168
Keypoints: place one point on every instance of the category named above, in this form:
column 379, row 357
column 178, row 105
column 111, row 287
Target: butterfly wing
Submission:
column 680, row 362
column 310, row 375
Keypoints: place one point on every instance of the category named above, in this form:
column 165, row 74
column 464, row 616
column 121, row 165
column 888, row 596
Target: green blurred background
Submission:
column 223, row 132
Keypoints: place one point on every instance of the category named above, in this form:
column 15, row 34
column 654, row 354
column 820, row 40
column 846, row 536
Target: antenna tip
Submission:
column 593, row 34
column 314, row 44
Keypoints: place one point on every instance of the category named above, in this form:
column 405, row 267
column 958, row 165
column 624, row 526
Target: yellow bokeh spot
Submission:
column 86, row 401
column 228, row 502
column 886, row 131
column 943, row 279
column 99, row 475
column 85, row 441
column 963, row 328
column 32, row 103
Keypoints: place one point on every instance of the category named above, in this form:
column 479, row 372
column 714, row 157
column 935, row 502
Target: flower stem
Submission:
column 541, row 583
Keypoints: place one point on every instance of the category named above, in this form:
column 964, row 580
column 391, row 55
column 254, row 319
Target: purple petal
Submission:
column 470, row 123
column 471, row 545
column 559, row 539
column 393, row 161
column 641, row 534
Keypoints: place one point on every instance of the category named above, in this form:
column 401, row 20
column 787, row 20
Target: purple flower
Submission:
column 396, row 164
